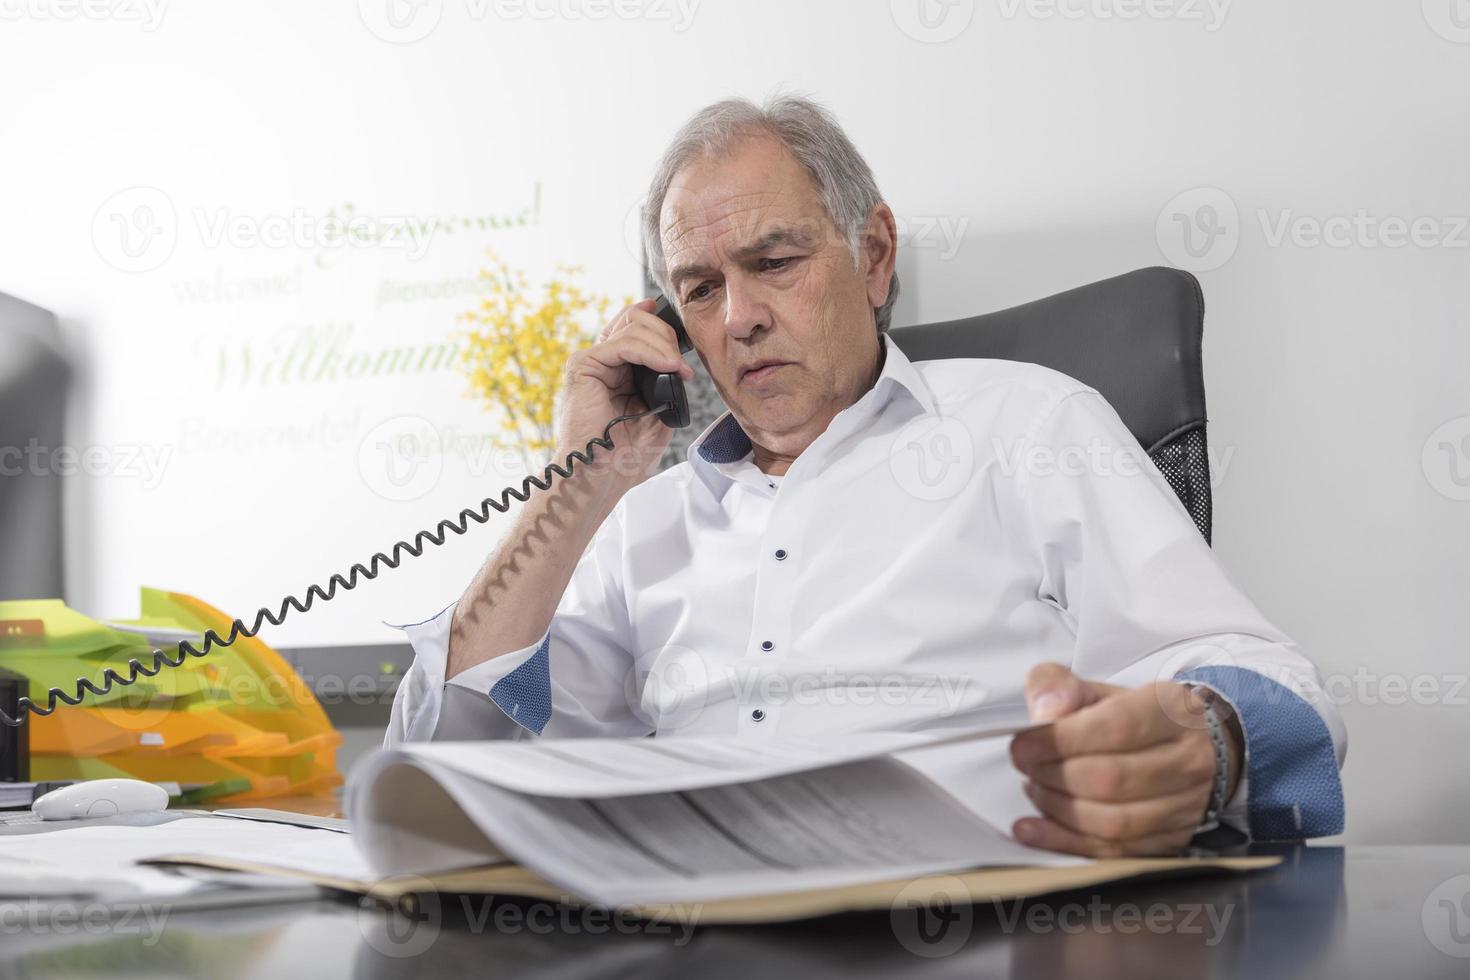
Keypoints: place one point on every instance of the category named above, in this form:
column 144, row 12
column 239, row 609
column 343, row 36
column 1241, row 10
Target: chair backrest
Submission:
column 1135, row 338
column 34, row 375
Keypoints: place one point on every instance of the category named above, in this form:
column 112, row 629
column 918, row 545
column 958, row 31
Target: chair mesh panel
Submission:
column 1186, row 465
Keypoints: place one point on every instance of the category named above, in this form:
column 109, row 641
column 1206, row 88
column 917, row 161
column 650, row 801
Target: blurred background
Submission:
column 256, row 262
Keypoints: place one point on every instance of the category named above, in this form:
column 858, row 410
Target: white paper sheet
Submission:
column 603, row 767
column 620, row 821
column 865, row 821
column 112, row 853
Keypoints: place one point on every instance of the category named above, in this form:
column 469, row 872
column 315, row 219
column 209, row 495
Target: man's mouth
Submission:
column 761, row 371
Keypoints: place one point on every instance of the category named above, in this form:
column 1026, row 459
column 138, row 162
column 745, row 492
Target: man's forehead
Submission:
column 716, row 210
column 738, row 226
column 740, row 196
column 692, row 219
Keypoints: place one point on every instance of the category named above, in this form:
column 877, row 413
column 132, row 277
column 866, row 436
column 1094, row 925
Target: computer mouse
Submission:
column 100, row 798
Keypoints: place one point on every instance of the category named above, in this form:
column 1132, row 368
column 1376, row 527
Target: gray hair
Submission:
column 811, row 134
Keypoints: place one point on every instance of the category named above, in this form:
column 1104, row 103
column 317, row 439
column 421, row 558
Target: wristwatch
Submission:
column 1216, row 806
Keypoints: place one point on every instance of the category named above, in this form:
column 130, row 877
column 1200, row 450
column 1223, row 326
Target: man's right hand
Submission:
column 599, row 388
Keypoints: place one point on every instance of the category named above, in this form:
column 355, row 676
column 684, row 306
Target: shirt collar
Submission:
column 724, row 441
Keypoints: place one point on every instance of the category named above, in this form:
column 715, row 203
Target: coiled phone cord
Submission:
column 136, row 668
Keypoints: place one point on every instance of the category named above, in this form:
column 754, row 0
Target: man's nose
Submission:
column 745, row 312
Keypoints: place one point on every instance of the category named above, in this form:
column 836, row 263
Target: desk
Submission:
column 1327, row 912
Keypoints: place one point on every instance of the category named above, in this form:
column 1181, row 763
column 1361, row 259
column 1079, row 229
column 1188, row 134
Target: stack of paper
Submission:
column 721, row 828
column 637, row 822
column 101, row 861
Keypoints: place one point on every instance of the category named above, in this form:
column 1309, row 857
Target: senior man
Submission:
column 863, row 542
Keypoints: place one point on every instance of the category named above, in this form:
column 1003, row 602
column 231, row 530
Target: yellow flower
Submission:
column 516, row 345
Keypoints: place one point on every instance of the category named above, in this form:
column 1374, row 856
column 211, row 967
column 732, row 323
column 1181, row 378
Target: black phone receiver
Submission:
column 665, row 392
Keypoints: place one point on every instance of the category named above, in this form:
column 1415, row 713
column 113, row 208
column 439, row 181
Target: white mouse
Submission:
column 100, row 798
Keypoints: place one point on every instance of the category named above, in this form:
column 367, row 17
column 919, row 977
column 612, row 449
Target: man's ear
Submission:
column 880, row 247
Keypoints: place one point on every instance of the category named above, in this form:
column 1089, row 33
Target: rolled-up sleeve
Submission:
column 419, row 709
column 1148, row 600
column 573, row 681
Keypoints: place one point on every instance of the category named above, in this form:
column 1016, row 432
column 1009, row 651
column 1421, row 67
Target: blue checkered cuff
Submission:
column 1295, row 789
column 525, row 693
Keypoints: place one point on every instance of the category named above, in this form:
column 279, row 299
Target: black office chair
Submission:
column 1135, row 338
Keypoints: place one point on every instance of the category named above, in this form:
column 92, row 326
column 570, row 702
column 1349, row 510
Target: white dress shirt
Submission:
column 960, row 523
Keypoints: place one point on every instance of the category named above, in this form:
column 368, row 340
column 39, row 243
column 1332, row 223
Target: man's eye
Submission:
column 775, row 265
column 697, row 293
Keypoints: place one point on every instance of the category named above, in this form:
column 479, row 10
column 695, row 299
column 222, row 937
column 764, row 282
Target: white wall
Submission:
column 1053, row 141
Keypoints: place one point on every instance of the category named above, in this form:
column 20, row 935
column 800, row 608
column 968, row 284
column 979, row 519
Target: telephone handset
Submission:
column 663, row 394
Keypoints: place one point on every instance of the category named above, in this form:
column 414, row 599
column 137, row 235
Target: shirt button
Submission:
column 757, row 715
column 767, row 646
column 780, row 554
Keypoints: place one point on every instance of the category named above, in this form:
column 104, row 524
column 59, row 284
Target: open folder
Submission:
column 741, row 830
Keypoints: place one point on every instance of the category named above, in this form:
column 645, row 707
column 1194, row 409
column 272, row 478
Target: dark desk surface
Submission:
column 1327, row 912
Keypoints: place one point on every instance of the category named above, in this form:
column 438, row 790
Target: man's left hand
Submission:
column 1120, row 771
